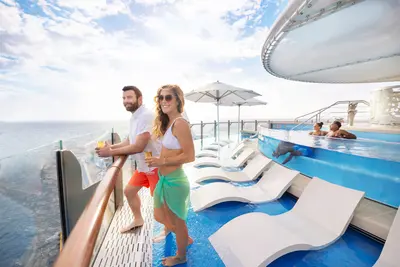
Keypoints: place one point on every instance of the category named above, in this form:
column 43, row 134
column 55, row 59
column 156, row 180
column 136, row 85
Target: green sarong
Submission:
column 174, row 189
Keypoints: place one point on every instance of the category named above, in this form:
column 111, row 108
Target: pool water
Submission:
column 362, row 147
column 381, row 136
column 353, row 249
column 378, row 178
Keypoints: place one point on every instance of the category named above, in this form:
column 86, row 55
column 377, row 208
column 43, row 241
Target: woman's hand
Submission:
column 155, row 162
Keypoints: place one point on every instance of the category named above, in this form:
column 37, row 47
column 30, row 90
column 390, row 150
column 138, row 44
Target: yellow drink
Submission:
column 100, row 144
column 148, row 154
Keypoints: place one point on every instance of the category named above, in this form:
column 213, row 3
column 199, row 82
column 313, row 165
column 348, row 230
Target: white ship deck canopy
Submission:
column 328, row 41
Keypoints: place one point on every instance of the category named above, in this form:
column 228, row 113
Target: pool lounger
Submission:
column 242, row 158
column 252, row 171
column 212, row 147
column 221, row 142
column 207, row 153
column 214, row 154
column 270, row 187
column 319, row 218
column 390, row 255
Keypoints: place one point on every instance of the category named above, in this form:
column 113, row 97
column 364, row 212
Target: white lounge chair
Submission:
column 207, row 153
column 319, row 218
column 241, row 159
column 212, row 147
column 221, row 142
column 213, row 154
column 252, row 171
column 271, row 186
column 390, row 255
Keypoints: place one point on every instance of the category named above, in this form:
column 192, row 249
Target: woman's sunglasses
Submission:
column 166, row 97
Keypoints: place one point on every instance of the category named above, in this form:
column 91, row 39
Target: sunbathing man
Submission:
column 335, row 131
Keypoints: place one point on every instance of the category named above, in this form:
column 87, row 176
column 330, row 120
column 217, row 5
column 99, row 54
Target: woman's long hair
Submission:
column 162, row 120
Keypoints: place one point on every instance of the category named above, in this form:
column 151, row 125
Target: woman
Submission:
column 171, row 196
column 317, row 129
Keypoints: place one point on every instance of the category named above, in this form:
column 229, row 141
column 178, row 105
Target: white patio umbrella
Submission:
column 216, row 92
column 248, row 102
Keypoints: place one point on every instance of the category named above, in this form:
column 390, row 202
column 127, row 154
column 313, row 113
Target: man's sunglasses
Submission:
column 166, row 97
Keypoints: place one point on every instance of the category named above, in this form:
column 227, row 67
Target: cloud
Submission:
column 69, row 59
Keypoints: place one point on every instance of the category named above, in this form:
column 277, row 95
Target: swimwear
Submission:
column 174, row 189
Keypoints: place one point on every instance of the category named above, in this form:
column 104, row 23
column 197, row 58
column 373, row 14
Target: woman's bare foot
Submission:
column 174, row 260
column 136, row 223
column 161, row 236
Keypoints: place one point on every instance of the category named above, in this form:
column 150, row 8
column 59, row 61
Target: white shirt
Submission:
column 141, row 122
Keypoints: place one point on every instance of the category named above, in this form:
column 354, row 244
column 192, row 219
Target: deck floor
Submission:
column 132, row 249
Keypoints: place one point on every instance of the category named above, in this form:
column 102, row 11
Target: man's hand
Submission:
column 106, row 144
column 104, row 152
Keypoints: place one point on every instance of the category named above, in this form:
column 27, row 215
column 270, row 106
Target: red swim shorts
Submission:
column 146, row 179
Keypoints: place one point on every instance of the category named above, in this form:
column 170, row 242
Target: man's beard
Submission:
column 133, row 107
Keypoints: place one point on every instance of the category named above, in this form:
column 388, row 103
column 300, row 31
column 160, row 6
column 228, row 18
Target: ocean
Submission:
column 30, row 218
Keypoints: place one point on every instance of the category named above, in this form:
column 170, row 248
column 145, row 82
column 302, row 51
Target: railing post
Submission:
column 215, row 130
column 119, row 187
column 201, row 133
column 241, row 127
column 229, row 129
column 255, row 125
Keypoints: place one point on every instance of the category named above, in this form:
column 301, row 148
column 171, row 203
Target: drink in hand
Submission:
column 100, row 144
column 148, row 154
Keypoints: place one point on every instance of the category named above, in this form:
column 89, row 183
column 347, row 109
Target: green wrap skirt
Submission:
column 174, row 189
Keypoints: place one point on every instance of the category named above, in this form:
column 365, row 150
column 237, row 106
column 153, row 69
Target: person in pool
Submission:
column 317, row 129
column 171, row 196
column 336, row 132
column 293, row 150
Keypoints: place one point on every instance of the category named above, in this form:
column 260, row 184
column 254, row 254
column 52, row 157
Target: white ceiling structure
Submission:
column 329, row 41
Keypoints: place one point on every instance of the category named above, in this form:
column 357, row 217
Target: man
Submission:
column 336, row 132
column 139, row 140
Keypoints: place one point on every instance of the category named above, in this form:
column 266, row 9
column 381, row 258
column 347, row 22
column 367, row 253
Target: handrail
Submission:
column 319, row 111
column 334, row 104
column 78, row 248
column 226, row 122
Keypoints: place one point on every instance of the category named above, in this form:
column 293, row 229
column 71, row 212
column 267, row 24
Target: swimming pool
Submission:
column 388, row 137
column 361, row 147
column 369, row 166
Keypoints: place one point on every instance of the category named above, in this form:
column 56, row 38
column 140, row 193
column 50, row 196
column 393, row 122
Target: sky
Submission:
column 69, row 59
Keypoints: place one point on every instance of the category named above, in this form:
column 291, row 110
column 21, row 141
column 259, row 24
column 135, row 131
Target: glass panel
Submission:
column 93, row 167
column 30, row 218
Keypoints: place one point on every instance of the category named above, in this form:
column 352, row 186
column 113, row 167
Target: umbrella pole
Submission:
column 238, row 123
column 218, row 129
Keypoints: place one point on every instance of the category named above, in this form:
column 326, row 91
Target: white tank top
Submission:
column 169, row 141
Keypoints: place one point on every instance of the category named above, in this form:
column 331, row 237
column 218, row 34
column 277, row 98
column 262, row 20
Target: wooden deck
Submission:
column 132, row 249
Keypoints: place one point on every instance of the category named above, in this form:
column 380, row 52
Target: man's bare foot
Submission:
column 161, row 236
column 174, row 260
column 190, row 241
column 135, row 224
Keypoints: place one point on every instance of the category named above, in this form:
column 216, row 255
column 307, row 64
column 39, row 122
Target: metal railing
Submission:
column 228, row 129
column 80, row 245
column 317, row 113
